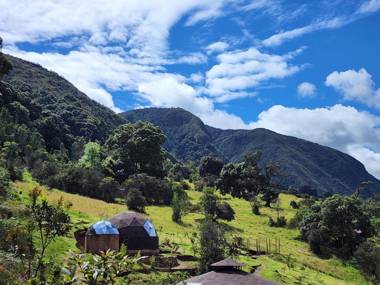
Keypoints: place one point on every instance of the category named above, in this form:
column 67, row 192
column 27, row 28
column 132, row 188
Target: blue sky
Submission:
column 309, row 69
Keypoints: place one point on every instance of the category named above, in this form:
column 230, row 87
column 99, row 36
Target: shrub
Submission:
column 4, row 180
column 368, row 257
column 225, row 212
column 135, row 200
column 280, row 222
column 294, row 204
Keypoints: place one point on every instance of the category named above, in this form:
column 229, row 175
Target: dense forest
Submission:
column 64, row 140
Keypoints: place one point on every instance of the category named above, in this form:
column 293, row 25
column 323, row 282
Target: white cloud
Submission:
column 366, row 8
column 345, row 128
column 355, row 86
column 158, row 89
column 306, row 89
column 370, row 6
column 217, row 47
column 238, row 71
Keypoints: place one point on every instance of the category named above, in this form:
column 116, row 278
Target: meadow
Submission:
column 294, row 265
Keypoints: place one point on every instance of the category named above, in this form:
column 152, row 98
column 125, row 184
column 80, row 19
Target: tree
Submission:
column 368, row 257
column 5, row 65
column 269, row 196
column 156, row 191
column 214, row 208
column 136, row 148
column 209, row 202
column 109, row 188
column 91, row 157
column 180, row 203
column 225, row 212
column 4, row 180
column 210, row 165
column 212, row 243
column 49, row 221
column 135, row 200
column 179, row 172
column 340, row 224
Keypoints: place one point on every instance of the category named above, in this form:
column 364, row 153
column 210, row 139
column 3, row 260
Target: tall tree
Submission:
column 136, row 148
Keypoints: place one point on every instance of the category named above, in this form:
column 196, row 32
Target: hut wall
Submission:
column 97, row 243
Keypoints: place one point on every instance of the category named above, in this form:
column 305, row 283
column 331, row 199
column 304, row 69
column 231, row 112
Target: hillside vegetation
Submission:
column 295, row 265
column 302, row 162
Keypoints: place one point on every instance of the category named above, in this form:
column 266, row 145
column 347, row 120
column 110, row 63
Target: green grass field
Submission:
column 294, row 265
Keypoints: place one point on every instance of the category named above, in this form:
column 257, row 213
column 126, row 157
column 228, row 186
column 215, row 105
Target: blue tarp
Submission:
column 150, row 229
column 105, row 228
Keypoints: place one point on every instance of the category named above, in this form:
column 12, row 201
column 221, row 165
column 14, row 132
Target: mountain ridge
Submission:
column 305, row 163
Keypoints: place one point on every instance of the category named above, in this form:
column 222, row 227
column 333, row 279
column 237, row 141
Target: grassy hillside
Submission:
column 295, row 265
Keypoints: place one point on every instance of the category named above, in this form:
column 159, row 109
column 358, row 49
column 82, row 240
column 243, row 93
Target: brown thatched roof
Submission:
column 128, row 218
column 230, row 277
column 228, row 262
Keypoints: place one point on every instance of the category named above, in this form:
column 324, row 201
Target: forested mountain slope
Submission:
column 56, row 108
column 302, row 162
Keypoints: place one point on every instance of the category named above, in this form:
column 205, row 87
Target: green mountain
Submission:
column 303, row 163
column 57, row 109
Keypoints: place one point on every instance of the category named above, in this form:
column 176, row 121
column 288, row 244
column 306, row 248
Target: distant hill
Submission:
column 303, row 162
column 57, row 108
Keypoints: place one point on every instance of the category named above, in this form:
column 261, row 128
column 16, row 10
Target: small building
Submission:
column 101, row 236
column 226, row 272
column 137, row 233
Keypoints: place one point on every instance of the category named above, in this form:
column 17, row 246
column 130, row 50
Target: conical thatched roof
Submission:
column 228, row 262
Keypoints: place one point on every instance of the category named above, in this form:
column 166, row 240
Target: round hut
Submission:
column 101, row 236
column 137, row 233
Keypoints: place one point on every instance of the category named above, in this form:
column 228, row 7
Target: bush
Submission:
column 225, row 212
column 368, row 257
column 135, row 200
column 280, row 222
column 156, row 191
column 4, row 180
column 294, row 204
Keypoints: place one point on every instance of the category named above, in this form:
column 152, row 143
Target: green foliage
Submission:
column 108, row 267
column 4, row 180
column 179, row 172
column 5, row 65
column 156, row 191
column 212, row 244
column 135, row 200
column 57, row 110
column 280, row 222
column 49, row 221
column 338, row 223
column 136, row 148
column 92, row 156
column 188, row 138
column 210, row 165
column 180, row 203
column 294, row 204
column 214, row 208
column 368, row 257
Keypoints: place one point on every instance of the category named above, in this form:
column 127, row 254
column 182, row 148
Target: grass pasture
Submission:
column 295, row 265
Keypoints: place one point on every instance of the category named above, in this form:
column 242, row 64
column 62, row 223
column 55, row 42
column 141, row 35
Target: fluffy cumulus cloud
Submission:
column 306, row 89
column 241, row 70
column 217, row 47
column 345, row 128
column 355, row 86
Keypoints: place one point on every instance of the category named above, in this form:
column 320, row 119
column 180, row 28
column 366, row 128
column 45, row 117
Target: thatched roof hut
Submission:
column 136, row 232
column 227, row 272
